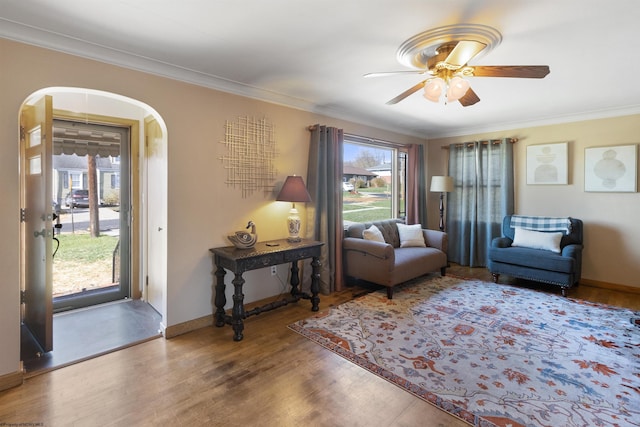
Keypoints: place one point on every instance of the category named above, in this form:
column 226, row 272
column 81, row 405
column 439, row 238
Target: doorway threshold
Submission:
column 90, row 332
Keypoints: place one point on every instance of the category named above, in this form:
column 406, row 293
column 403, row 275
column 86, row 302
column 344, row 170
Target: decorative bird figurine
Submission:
column 244, row 240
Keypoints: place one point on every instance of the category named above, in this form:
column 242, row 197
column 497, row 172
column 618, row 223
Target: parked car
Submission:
column 347, row 186
column 78, row 199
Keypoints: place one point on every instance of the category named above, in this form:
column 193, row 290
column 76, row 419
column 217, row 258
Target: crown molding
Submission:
column 73, row 46
column 541, row 121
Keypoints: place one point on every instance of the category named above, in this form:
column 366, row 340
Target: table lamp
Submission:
column 293, row 190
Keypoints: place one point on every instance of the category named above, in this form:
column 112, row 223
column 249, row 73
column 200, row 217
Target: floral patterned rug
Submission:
column 493, row 355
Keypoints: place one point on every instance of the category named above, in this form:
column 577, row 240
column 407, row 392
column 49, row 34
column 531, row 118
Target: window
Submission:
column 373, row 181
column 115, row 180
column 64, row 176
column 76, row 179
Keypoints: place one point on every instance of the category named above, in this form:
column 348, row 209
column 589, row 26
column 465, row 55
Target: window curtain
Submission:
column 324, row 212
column 416, row 197
column 483, row 179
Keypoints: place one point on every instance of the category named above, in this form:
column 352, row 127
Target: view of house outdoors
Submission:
column 376, row 175
column 82, row 261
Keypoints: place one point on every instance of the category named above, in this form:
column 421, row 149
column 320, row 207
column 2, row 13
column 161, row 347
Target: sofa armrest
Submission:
column 501, row 242
column 376, row 249
column 436, row 239
column 573, row 251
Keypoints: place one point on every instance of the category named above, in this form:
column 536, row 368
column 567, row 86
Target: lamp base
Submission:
column 293, row 224
column 441, row 212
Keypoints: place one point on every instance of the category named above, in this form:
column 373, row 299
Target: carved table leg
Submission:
column 295, row 278
column 315, row 283
column 237, row 312
column 220, row 299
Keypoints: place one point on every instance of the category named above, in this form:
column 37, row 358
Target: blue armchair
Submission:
column 533, row 261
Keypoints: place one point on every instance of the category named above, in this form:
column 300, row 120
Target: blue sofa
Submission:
column 539, row 265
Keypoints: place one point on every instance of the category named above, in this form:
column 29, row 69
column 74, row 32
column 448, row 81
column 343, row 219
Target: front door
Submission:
column 37, row 220
column 92, row 263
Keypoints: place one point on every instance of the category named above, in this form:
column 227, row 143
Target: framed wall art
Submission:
column 611, row 169
column 547, row 164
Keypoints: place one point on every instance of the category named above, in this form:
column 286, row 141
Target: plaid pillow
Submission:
column 541, row 223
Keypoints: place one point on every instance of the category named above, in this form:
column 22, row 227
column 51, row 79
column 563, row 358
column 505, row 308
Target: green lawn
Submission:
column 369, row 209
column 84, row 248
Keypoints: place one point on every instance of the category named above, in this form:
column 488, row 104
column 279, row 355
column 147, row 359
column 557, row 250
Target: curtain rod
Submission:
column 495, row 141
column 364, row 139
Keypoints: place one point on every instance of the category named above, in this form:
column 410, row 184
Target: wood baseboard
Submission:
column 11, row 380
column 191, row 325
column 203, row 322
column 610, row 286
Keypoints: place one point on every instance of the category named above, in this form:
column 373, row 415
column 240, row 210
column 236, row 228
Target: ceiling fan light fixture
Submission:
column 445, row 52
column 457, row 88
column 433, row 89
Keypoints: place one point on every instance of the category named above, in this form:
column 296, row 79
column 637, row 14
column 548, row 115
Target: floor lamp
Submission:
column 441, row 184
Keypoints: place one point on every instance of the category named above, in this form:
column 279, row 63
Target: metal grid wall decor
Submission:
column 251, row 150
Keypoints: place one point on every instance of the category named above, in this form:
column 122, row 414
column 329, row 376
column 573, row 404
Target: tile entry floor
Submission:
column 89, row 332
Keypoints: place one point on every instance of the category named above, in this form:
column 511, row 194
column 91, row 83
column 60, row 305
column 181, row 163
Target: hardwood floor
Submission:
column 584, row 292
column 274, row 377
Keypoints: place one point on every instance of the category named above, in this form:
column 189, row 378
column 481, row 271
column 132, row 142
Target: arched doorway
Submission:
column 50, row 119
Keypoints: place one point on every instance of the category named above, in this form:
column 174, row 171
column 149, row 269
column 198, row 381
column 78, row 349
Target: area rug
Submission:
column 492, row 354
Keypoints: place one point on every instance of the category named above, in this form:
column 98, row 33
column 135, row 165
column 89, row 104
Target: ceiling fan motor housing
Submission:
column 426, row 49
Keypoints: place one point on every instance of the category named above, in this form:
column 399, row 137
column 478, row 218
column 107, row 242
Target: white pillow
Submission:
column 373, row 233
column 537, row 239
column 411, row 236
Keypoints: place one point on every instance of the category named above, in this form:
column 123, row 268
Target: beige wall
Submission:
column 611, row 228
column 202, row 210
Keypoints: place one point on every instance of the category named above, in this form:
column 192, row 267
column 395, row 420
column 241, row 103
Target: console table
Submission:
column 263, row 254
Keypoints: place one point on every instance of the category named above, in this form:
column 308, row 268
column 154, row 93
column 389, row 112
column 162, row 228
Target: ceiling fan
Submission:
column 444, row 53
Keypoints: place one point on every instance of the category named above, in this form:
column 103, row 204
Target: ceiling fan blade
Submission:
column 464, row 51
column 406, row 93
column 393, row 73
column 520, row 71
column 469, row 98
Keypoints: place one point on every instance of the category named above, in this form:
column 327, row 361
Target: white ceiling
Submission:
column 312, row 55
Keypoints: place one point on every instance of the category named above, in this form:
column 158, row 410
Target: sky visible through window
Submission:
column 352, row 151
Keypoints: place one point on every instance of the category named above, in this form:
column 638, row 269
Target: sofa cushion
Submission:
column 414, row 262
column 535, row 258
column 411, row 236
column 389, row 231
column 373, row 233
column 537, row 239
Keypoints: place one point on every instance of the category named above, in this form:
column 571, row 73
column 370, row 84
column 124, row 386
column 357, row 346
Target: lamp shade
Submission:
column 442, row 184
column 433, row 89
column 457, row 88
column 293, row 190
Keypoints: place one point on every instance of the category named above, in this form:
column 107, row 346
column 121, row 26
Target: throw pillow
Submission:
column 537, row 239
column 373, row 233
column 411, row 236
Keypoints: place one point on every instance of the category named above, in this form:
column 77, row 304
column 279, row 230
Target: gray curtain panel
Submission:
column 483, row 194
column 324, row 212
column 416, row 197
